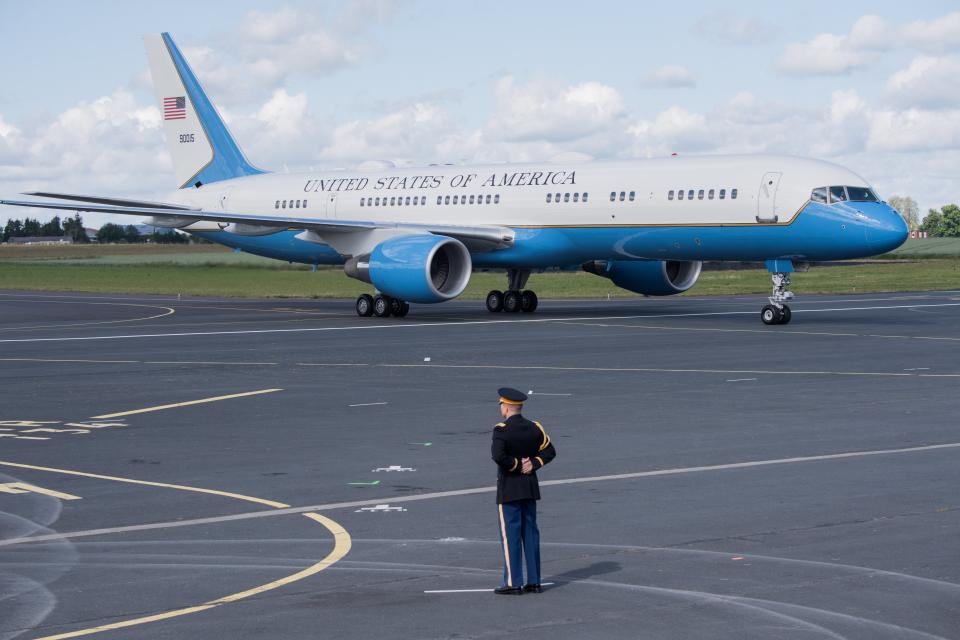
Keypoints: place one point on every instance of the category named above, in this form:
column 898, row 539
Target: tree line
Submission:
column 73, row 228
column 944, row 223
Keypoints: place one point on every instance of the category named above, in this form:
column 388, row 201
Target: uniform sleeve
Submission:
column 498, row 451
column 546, row 452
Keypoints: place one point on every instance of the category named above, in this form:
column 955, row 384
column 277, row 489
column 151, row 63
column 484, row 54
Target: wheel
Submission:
column 785, row 315
column 365, row 306
column 770, row 314
column 381, row 306
column 495, row 301
column 511, row 301
column 528, row 301
column 396, row 307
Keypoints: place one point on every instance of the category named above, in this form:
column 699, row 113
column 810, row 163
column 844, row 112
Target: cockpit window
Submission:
column 837, row 194
column 819, row 195
column 861, row 194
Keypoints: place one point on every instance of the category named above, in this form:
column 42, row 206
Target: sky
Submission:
column 322, row 85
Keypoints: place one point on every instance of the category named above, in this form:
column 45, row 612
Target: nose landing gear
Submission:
column 777, row 312
column 514, row 298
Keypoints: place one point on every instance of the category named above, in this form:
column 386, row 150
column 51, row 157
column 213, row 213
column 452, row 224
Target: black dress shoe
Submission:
column 532, row 588
column 509, row 591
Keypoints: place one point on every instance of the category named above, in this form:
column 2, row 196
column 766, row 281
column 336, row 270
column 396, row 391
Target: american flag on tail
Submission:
column 175, row 108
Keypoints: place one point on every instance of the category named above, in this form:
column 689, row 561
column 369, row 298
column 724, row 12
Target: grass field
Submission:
column 210, row 270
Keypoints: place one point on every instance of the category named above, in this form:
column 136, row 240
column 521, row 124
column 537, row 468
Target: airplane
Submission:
column 418, row 233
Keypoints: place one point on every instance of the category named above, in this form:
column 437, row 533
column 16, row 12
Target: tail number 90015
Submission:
column 186, row 138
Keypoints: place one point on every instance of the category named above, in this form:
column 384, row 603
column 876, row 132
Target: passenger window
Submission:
column 680, row 194
column 585, row 196
column 393, row 201
column 362, row 201
column 446, row 199
column 690, row 194
column 710, row 194
column 633, row 194
column 463, row 199
column 407, row 201
column 733, row 194
column 488, row 199
column 576, row 197
column 623, row 196
column 277, row 206
column 439, row 199
column 613, row 196
column 819, row 195
column 549, row 197
column 700, row 195
column 283, row 205
column 670, row 195
column 566, row 197
column 471, row 199
column 496, row 199
column 723, row 193
column 304, row 204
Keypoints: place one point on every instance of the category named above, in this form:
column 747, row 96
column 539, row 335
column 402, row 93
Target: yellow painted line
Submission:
column 164, row 485
column 186, row 404
column 342, row 544
column 23, row 487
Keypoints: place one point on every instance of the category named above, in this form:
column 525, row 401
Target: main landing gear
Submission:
column 514, row 298
column 777, row 312
column 381, row 306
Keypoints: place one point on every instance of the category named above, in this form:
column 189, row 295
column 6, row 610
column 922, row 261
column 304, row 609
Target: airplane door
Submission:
column 767, row 197
column 330, row 206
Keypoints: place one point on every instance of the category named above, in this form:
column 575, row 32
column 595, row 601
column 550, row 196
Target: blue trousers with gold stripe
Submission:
column 519, row 538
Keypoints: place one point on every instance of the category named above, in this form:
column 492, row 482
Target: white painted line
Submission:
column 548, row 394
column 467, row 492
column 742, row 380
column 360, row 327
column 918, row 369
column 366, row 404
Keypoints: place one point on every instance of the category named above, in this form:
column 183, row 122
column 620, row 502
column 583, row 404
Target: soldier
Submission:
column 520, row 447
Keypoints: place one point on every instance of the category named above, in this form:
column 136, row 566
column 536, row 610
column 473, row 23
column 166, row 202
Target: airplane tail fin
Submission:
column 202, row 148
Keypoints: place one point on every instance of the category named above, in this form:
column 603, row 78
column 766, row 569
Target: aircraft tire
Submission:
column 400, row 308
column 785, row 315
column 381, row 306
column 511, row 301
column 770, row 314
column 495, row 301
column 365, row 306
column 528, row 301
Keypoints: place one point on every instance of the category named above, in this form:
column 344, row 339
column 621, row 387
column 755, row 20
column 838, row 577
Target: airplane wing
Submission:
column 480, row 238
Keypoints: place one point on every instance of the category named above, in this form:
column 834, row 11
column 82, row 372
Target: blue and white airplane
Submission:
column 417, row 234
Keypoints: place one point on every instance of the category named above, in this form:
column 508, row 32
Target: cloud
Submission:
column 914, row 130
column 670, row 76
column 832, row 54
column 826, row 54
column 727, row 28
column 553, row 112
column 930, row 82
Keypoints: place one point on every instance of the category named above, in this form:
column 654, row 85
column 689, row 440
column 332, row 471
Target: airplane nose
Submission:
column 883, row 227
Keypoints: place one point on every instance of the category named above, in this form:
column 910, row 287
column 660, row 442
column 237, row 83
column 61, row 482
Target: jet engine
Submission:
column 649, row 277
column 416, row 268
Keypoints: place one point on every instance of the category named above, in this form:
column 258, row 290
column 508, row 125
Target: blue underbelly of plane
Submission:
column 820, row 232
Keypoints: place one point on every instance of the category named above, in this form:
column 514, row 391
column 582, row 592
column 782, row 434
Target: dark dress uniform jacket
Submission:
column 512, row 440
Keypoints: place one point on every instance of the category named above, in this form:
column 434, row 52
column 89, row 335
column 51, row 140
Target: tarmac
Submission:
column 212, row 468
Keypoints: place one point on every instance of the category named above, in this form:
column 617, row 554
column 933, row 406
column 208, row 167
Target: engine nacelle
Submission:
column 416, row 268
column 649, row 277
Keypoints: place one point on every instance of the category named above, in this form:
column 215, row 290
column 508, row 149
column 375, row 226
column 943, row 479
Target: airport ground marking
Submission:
column 23, row 487
column 414, row 325
column 367, row 404
column 895, row 374
column 342, row 544
column 478, row 491
column 168, row 311
column 187, row 403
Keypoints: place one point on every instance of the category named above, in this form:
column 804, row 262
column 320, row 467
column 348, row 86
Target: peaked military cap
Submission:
column 511, row 396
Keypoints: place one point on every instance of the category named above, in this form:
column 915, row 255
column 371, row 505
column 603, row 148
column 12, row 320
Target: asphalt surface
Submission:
column 767, row 482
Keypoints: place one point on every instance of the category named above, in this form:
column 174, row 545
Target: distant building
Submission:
column 41, row 240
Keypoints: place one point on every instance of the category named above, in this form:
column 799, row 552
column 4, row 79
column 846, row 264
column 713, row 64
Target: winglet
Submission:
column 202, row 148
